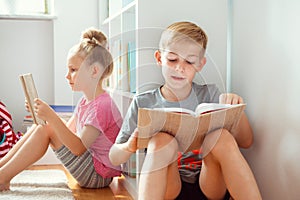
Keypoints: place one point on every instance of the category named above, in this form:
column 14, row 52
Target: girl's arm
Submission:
column 71, row 124
column 120, row 153
column 243, row 132
column 88, row 134
column 67, row 136
column 62, row 131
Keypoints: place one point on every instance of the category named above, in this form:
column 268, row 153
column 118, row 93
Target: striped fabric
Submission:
column 82, row 168
column 7, row 136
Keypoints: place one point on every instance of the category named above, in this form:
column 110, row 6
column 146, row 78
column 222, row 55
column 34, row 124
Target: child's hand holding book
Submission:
column 30, row 94
column 230, row 98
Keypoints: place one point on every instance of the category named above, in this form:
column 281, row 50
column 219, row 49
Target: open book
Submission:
column 30, row 94
column 189, row 127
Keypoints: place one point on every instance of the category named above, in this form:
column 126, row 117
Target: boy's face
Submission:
column 180, row 62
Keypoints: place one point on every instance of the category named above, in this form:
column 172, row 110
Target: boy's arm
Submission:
column 243, row 132
column 120, row 153
column 126, row 142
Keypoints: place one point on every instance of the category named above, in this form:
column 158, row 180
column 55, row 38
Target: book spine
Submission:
column 131, row 58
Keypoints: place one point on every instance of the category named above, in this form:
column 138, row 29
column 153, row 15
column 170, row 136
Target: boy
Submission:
column 181, row 56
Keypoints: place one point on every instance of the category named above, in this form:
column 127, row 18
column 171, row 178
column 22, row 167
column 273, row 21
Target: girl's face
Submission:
column 180, row 62
column 77, row 74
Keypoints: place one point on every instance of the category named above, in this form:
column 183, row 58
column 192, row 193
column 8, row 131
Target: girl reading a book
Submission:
column 197, row 174
column 82, row 144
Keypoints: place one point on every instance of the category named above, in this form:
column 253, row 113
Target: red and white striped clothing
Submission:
column 7, row 135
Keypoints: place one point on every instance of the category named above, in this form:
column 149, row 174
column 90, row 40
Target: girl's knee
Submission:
column 39, row 129
column 44, row 131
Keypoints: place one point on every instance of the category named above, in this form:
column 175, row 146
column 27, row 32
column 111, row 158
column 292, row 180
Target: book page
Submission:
column 30, row 94
column 210, row 107
column 176, row 110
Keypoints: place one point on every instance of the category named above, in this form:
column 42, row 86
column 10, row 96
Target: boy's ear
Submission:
column 157, row 56
column 202, row 63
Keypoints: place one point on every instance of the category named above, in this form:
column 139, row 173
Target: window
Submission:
column 25, row 7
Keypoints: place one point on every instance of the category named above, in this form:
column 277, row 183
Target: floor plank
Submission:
column 115, row 190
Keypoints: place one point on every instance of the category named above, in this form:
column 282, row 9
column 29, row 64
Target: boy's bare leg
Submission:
column 173, row 181
column 160, row 169
column 224, row 167
column 33, row 149
column 17, row 146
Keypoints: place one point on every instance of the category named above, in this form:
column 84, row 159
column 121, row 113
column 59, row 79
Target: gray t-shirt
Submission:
column 153, row 99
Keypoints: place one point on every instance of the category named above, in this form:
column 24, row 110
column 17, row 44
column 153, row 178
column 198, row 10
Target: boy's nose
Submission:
column 179, row 67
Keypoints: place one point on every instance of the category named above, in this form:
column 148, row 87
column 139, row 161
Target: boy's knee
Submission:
column 162, row 140
column 161, row 152
column 225, row 143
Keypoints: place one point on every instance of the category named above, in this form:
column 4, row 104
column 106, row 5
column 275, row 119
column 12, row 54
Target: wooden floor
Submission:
column 116, row 189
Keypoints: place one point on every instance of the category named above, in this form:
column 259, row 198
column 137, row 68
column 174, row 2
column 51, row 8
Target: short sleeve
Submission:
column 129, row 122
column 214, row 93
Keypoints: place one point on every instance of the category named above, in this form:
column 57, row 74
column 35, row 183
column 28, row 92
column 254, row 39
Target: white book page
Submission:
column 208, row 107
column 178, row 110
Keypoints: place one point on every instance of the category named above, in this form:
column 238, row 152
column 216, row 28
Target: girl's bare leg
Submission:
column 32, row 149
column 17, row 146
column 225, row 167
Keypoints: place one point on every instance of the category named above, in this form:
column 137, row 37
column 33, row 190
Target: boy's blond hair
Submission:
column 183, row 31
column 93, row 49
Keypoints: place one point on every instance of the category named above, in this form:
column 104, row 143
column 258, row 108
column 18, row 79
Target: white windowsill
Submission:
column 28, row 17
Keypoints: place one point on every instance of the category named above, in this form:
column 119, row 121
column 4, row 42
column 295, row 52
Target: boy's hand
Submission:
column 230, row 98
column 132, row 142
column 43, row 110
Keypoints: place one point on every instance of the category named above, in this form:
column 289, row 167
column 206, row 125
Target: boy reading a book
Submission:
column 215, row 169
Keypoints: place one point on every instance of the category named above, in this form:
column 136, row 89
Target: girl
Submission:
column 83, row 143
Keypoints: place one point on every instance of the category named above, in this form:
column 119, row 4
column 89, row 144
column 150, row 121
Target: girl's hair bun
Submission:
column 93, row 49
column 93, row 37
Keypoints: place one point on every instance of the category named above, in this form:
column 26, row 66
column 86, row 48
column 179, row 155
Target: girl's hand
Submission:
column 43, row 110
column 230, row 98
column 132, row 142
column 27, row 106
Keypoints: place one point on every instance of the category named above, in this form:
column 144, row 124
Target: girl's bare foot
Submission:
column 4, row 186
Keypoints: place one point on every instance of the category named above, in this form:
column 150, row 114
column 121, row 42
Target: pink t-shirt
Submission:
column 103, row 114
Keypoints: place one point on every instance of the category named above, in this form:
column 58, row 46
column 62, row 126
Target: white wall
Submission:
column 266, row 73
column 72, row 18
column 210, row 15
column 25, row 46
